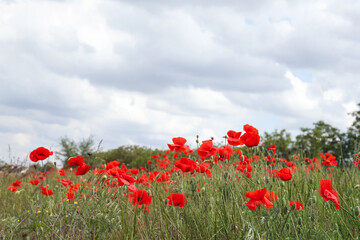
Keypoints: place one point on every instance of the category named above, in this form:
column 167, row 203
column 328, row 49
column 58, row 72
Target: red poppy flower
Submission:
column 83, row 169
column 284, row 174
column 234, row 138
column 256, row 198
column 208, row 172
column 176, row 200
column 112, row 164
column 66, row 182
column 327, row 192
column 40, row 153
column 201, row 168
column 179, row 145
column 225, row 153
column 12, row 188
column 328, row 159
column 185, row 164
column 251, row 136
column 149, row 162
column 78, row 161
column 272, row 148
column 16, row 184
column 298, row 205
column 206, row 149
column 46, row 191
column 134, row 171
column 62, row 172
column 34, row 182
column 163, row 177
column 139, row 198
column 271, row 196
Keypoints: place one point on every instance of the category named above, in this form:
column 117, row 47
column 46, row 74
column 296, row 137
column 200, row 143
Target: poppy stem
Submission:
column 287, row 216
column 134, row 223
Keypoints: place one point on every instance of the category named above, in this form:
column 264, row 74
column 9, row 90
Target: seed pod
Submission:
column 267, row 179
column 285, row 210
column 287, row 226
column 299, row 221
column 357, row 211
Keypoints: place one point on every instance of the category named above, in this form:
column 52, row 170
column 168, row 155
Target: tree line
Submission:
column 322, row 137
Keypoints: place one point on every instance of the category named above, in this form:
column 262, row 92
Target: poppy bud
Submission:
column 311, row 201
column 357, row 211
column 287, row 226
column 300, row 221
column 226, row 175
column 267, row 179
column 285, row 210
column 293, row 206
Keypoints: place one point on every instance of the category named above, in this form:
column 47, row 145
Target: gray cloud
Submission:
column 135, row 72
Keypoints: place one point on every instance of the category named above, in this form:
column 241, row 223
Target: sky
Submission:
column 142, row 72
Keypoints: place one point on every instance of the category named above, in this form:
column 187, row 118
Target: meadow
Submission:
column 237, row 191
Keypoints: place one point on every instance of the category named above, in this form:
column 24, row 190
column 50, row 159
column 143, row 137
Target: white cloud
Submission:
column 139, row 72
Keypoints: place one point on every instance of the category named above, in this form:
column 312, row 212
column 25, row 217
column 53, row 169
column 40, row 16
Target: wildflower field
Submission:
column 237, row 191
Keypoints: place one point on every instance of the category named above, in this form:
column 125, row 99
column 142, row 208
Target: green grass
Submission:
column 215, row 210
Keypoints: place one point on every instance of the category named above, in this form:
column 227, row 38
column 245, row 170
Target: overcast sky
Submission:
column 142, row 72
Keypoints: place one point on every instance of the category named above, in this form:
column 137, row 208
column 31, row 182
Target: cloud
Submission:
column 135, row 72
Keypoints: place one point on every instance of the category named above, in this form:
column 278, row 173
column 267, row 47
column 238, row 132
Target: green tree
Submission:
column 70, row 148
column 133, row 156
column 283, row 141
column 353, row 134
column 322, row 138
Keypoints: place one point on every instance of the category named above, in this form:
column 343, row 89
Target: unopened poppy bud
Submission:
column 357, row 211
column 311, row 201
column 226, row 175
column 287, row 226
column 299, row 221
column 285, row 210
column 267, row 179
column 293, row 206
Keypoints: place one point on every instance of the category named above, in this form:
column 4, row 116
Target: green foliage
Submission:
column 70, row 148
column 132, row 155
column 283, row 141
column 215, row 209
column 353, row 133
column 42, row 167
column 322, row 138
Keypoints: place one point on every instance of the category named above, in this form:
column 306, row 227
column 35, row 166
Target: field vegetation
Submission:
column 245, row 187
